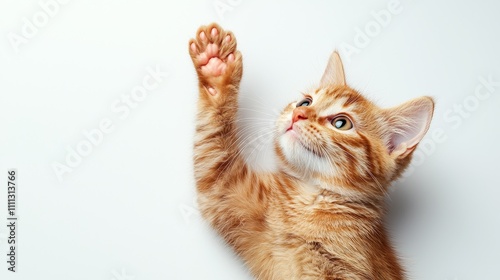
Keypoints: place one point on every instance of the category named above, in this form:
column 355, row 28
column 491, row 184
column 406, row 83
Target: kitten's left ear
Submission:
column 407, row 125
column 334, row 72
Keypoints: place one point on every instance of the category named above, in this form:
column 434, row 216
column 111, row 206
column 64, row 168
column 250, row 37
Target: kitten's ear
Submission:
column 407, row 125
column 334, row 72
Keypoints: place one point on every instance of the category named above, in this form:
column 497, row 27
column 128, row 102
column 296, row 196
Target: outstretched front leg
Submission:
column 230, row 196
column 219, row 68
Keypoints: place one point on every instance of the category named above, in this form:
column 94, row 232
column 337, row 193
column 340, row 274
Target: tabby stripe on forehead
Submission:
column 351, row 99
column 342, row 94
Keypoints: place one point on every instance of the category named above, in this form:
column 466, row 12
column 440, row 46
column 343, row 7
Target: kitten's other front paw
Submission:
column 215, row 58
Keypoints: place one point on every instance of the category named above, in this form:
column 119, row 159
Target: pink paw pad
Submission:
column 214, row 54
column 209, row 59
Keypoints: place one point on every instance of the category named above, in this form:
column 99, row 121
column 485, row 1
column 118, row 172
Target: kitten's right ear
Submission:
column 407, row 125
column 334, row 72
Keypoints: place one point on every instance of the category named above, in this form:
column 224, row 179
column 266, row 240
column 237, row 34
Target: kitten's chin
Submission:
column 301, row 160
column 294, row 142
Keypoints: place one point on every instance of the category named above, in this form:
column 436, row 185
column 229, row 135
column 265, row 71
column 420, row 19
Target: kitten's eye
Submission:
column 342, row 123
column 305, row 102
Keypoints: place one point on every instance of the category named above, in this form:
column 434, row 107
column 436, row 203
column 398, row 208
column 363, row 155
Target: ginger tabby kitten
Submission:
column 320, row 215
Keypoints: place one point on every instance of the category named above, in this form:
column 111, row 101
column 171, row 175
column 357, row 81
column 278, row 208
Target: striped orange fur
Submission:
column 320, row 215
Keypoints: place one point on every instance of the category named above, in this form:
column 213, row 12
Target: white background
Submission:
column 127, row 211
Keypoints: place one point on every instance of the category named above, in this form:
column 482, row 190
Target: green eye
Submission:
column 306, row 102
column 342, row 123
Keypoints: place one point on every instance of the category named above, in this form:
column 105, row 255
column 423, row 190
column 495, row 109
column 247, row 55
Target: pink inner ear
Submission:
column 409, row 123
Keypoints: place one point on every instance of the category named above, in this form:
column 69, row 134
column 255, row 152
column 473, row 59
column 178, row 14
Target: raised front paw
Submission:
column 215, row 58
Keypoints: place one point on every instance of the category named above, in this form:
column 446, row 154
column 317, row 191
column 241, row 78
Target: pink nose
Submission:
column 299, row 114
